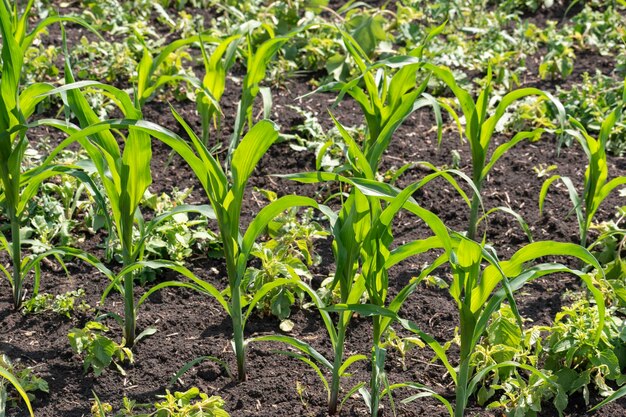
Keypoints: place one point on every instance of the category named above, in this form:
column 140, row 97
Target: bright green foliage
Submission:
column 214, row 82
column 191, row 403
column 475, row 290
column 151, row 75
column 98, row 350
column 591, row 101
column 287, row 254
column 184, row 404
column 118, row 56
column 257, row 60
column 362, row 231
column 297, row 232
column 597, row 186
column 179, row 236
column 559, row 60
column 327, row 145
column 54, row 214
column 125, row 175
column 275, row 264
column 519, row 394
column 63, row 304
column 386, row 101
column 608, row 248
column 362, row 249
column 124, row 171
column 22, row 380
column 580, row 360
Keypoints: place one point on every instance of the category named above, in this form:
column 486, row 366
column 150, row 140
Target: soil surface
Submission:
column 191, row 325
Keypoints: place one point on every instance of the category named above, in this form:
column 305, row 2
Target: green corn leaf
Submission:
column 31, row 96
column 4, row 373
column 358, row 160
column 350, row 361
column 425, row 392
column 503, row 148
column 517, row 217
column 205, row 286
column 296, row 344
column 611, row 398
column 309, row 362
column 513, row 267
column 252, row 147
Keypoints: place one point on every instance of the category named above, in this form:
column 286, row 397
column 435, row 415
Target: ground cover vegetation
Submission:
column 312, row 207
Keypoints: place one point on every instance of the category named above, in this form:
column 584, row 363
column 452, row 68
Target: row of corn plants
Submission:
column 364, row 248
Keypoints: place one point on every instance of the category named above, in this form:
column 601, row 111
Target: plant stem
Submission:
column 375, row 377
column 237, row 320
column 468, row 325
column 473, row 219
column 583, row 232
column 130, row 322
column 129, row 310
column 461, row 389
column 339, row 346
column 16, row 246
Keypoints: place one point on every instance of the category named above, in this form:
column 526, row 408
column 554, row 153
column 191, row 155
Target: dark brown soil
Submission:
column 190, row 325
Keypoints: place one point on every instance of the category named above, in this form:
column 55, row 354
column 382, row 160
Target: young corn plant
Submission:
column 128, row 171
column 475, row 291
column 388, row 99
column 257, row 61
column 359, row 233
column 16, row 106
column 597, row 186
column 480, row 127
column 125, row 174
column 225, row 188
column 209, row 90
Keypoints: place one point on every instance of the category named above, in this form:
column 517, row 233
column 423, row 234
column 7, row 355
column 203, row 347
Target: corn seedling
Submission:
column 226, row 198
column 480, row 128
column 387, row 99
column 209, row 90
column 257, row 61
column 597, row 187
column 129, row 170
column 125, row 175
column 17, row 105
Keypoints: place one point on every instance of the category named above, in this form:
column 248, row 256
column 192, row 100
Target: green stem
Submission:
column 461, row 389
column 16, row 246
column 473, row 220
column 584, row 230
column 129, row 310
column 237, row 320
column 130, row 316
column 339, row 347
column 375, row 377
column 468, row 326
